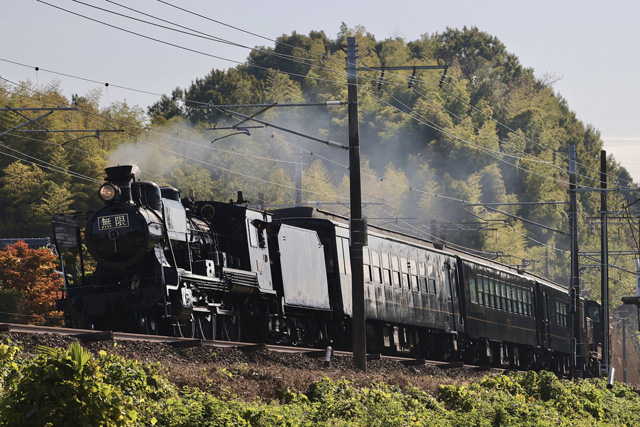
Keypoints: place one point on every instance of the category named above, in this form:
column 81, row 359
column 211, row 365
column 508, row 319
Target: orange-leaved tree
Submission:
column 32, row 273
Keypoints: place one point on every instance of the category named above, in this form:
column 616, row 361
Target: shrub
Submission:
column 64, row 388
column 9, row 362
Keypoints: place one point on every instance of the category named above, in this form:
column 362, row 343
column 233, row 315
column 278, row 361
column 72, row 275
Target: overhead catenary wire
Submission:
column 209, row 147
column 46, row 165
column 276, row 54
column 493, row 153
column 437, row 128
column 295, row 47
column 446, row 197
column 484, row 149
column 190, row 32
column 436, row 195
column 175, row 45
column 291, row 187
column 499, row 123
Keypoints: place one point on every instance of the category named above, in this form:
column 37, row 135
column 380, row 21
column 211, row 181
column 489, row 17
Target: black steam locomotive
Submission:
column 166, row 265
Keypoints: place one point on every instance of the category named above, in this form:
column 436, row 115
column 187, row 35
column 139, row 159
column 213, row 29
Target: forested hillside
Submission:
column 493, row 132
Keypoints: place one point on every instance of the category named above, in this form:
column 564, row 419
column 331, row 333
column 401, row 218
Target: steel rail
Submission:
column 87, row 335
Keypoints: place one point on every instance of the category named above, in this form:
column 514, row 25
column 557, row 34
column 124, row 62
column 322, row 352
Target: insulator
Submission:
column 412, row 78
column 444, row 76
column 381, row 80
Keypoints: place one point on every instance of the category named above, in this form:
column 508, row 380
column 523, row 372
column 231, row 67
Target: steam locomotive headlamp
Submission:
column 109, row 192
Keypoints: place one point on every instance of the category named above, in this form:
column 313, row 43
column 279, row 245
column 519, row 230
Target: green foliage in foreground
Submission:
column 70, row 388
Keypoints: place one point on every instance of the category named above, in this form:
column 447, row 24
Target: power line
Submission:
column 436, row 195
column 180, row 46
column 495, row 121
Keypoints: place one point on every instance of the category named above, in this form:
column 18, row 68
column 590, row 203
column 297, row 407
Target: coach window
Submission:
column 413, row 272
column 519, row 295
column 500, row 294
column 404, row 268
column 527, row 296
column 472, row 289
column 375, row 266
column 480, row 291
column 561, row 313
column 366, row 264
column 432, row 281
column 494, row 294
column 487, row 292
column 503, row 297
column 422, row 271
column 531, row 299
column 347, row 257
column 395, row 271
column 386, row 268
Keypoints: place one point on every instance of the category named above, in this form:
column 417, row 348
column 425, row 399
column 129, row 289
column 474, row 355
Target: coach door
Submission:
column 453, row 296
column 544, row 325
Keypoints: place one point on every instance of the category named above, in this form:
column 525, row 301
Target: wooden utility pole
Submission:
column 574, row 285
column 604, row 265
column 357, row 224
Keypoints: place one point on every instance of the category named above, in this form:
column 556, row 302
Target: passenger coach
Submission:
column 427, row 300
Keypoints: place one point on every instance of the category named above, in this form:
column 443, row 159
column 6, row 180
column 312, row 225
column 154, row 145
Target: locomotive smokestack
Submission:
column 122, row 177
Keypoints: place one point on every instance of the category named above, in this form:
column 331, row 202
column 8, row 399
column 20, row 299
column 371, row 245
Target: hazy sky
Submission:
column 590, row 45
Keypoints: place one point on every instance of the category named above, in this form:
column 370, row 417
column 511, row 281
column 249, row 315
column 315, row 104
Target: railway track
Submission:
column 87, row 335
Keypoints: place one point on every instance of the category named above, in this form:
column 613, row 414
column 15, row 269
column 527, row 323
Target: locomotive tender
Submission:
column 166, row 265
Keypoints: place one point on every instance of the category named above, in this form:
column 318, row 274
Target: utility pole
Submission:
column 356, row 223
column 604, row 265
column 574, row 285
